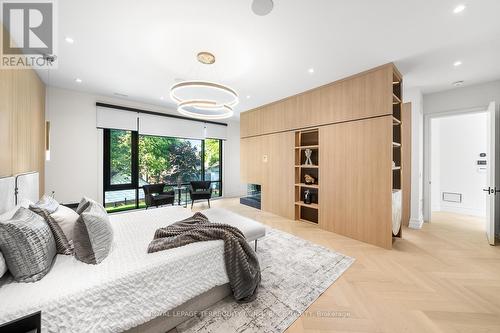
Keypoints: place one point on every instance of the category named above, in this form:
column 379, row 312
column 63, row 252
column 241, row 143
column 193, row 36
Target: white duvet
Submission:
column 129, row 288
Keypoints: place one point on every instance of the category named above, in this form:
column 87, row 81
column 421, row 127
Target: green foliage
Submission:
column 120, row 154
column 211, row 153
column 161, row 159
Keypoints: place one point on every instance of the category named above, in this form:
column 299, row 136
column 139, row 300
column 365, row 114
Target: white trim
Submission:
column 427, row 152
column 416, row 223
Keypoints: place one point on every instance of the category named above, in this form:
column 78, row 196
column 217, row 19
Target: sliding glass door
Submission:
column 132, row 161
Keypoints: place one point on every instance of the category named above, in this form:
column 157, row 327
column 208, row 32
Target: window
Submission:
column 132, row 160
column 120, row 168
column 213, row 164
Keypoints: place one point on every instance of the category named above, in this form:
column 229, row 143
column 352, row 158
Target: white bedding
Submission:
column 128, row 288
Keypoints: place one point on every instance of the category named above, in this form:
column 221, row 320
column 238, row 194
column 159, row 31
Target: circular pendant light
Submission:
column 204, row 99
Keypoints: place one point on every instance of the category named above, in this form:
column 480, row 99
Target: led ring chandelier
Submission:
column 204, row 99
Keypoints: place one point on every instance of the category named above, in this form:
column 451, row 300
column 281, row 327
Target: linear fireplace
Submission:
column 252, row 198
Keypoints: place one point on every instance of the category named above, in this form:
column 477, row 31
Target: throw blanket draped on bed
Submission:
column 242, row 264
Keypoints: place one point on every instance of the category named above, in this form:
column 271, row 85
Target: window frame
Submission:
column 134, row 184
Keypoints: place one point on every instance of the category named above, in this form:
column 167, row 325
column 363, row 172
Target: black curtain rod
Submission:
column 126, row 108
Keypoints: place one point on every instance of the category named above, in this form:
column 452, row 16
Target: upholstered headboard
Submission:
column 18, row 190
column 27, row 187
column 7, row 194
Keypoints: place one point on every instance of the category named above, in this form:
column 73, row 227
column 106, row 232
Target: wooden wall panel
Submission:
column 22, row 123
column 355, row 180
column 406, row 161
column 251, row 160
column 278, row 183
column 5, row 122
column 368, row 94
column 276, row 175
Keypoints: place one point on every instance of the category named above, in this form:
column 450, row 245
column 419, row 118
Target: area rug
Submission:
column 295, row 272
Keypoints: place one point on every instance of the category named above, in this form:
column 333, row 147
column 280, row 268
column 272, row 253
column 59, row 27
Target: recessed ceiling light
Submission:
column 69, row 40
column 311, row 70
column 458, row 83
column 78, row 80
column 248, row 96
column 459, row 9
column 457, row 63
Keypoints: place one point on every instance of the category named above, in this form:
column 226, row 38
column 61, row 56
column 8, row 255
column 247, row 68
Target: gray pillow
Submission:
column 46, row 202
column 92, row 235
column 63, row 245
column 3, row 265
column 28, row 246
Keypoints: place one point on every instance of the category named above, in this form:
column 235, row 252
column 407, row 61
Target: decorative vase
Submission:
column 307, row 197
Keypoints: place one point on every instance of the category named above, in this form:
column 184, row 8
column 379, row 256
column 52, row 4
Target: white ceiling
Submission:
column 140, row 48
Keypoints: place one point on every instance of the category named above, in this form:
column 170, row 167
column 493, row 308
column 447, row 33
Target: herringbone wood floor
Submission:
column 443, row 278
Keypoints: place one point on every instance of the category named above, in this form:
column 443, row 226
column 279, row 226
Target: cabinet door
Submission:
column 278, row 174
column 356, row 180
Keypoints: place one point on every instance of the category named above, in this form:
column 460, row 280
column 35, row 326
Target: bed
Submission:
column 130, row 288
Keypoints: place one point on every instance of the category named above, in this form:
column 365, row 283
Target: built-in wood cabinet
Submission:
column 362, row 96
column 355, row 196
column 356, row 124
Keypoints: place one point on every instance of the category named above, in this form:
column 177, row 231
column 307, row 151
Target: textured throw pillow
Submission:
column 63, row 245
column 8, row 215
column 48, row 203
column 84, row 203
column 92, row 235
column 3, row 265
column 66, row 218
column 28, row 246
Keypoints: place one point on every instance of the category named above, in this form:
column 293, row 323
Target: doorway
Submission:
column 459, row 160
column 458, row 164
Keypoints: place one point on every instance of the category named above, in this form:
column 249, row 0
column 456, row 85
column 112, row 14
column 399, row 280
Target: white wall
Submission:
column 457, row 142
column 414, row 96
column 436, row 165
column 469, row 97
column 75, row 167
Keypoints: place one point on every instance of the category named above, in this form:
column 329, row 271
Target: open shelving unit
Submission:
column 306, row 139
column 397, row 147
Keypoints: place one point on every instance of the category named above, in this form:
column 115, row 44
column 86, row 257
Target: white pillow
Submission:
column 3, row 265
column 48, row 203
column 66, row 218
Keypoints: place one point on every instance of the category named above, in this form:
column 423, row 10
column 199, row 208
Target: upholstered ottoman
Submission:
column 252, row 229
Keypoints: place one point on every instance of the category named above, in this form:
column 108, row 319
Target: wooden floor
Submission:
column 443, row 278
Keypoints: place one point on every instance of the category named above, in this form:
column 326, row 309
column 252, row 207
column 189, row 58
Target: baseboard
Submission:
column 416, row 223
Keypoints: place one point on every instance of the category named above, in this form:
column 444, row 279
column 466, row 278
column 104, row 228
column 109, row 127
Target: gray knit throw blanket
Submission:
column 242, row 264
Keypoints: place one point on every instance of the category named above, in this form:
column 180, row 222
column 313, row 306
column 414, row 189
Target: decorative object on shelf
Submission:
column 204, row 99
column 393, row 164
column 307, row 197
column 308, row 179
column 308, row 152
